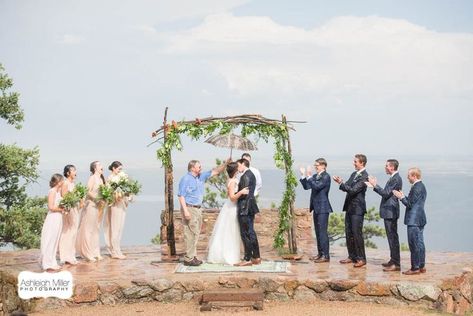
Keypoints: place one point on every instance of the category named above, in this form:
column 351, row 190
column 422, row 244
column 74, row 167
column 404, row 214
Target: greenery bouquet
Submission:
column 73, row 198
column 105, row 194
column 123, row 186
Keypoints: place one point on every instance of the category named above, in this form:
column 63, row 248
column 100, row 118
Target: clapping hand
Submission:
column 302, row 170
column 309, row 171
column 245, row 191
column 337, row 179
column 398, row 194
column 371, row 182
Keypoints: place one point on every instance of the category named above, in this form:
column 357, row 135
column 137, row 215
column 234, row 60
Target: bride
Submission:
column 224, row 245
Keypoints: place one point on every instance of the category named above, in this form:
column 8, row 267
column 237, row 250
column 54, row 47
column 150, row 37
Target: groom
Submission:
column 246, row 209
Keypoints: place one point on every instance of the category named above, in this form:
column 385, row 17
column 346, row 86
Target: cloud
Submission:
column 362, row 57
column 71, row 39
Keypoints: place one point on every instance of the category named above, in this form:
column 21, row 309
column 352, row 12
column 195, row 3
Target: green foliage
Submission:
column 105, row 194
column 21, row 218
column 404, row 247
column 126, row 186
column 156, row 240
column 80, row 190
column 10, row 110
column 282, row 158
column 22, row 224
column 72, row 199
column 18, row 167
column 336, row 227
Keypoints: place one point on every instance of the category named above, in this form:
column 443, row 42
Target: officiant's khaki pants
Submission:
column 192, row 232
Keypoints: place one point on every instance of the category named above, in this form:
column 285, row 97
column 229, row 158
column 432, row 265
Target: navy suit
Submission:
column 246, row 209
column 389, row 211
column 415, row 220
column 355, row 209
column 321, row 208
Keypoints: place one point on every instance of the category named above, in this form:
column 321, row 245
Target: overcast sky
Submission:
column 386, row 78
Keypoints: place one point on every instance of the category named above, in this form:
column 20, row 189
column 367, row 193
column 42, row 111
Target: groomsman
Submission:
column 415, row 220
column 355, row 209
column 389, row 211
column 319, row 183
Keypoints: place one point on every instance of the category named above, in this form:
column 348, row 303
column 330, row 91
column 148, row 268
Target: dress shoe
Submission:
column 359, row 263
column 411, row 272
column 345, row 261
column 313, row 258
column 192, row 263
column 256, row 261
column 198, row 261
column 243, row 264
column 387, row 264
column 423, row 270
column 392, row 268
column 322, row 260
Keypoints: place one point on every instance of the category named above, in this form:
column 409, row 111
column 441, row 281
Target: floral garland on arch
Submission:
column 251, row 124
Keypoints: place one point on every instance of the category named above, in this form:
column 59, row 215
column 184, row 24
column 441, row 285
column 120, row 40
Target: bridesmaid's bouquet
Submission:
column 123, row 186
column 73, row 198
column 105, row 194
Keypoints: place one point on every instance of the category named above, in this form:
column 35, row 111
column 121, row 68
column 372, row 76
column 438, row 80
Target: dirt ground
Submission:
column 272, row 308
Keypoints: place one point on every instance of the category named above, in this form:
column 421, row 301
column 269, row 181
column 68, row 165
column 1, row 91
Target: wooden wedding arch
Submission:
column 168, row 136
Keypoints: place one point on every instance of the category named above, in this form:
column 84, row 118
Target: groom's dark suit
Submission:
column 247, row 208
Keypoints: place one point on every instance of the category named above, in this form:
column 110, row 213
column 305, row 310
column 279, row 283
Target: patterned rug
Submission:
column 264, row 267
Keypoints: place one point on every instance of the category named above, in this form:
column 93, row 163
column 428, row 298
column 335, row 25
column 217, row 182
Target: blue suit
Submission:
column 355, row 209
column 321, row 208
column 389, row 211
column 415, row 220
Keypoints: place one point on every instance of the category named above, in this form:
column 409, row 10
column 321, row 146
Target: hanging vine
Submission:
column 256, row 125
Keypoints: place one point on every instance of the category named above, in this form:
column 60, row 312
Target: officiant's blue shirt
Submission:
column 192, row 188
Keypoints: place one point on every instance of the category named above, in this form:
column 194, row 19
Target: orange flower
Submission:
column 198, row 121
column 174, row 124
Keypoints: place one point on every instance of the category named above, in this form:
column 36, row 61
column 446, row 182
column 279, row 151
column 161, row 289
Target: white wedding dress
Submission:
column 224, row 244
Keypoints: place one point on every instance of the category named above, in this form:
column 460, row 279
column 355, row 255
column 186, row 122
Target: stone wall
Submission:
column 266, row 223
column 452, row 296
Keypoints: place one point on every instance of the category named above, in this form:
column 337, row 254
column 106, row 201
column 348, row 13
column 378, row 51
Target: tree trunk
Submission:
column 169, row 198
column 292, row 236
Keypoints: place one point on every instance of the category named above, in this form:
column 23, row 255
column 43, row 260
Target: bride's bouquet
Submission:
column 73, row 198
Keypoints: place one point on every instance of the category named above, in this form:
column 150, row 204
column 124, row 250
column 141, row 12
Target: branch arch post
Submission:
column 168, row 136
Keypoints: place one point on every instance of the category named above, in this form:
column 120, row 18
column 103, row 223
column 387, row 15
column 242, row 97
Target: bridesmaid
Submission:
column 52, row 226
column 70, row 224
column 88, row 241
column 115, row 218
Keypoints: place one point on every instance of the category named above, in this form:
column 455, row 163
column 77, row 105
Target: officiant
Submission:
column 191, row 194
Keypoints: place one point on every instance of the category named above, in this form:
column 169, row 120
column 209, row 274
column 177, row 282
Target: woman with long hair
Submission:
column 88, row 241
column 224, row 244
column 70, row 222
column 52, row 226
column 115, row 218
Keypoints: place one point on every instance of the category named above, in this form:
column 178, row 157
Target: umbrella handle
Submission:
column 231, row 149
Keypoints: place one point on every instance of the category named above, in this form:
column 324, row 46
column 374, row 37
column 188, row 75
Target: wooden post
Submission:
column 292, row 235
column 169, row 198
